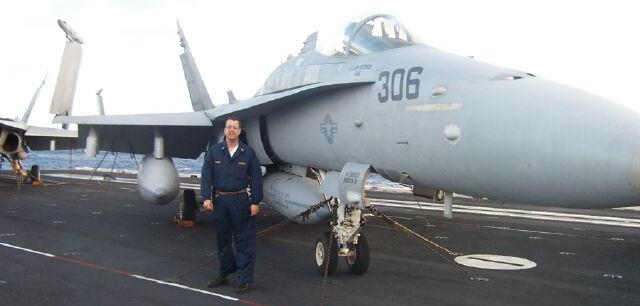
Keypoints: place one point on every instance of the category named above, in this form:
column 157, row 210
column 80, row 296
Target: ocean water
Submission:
column 119, row 162
column 127, row 163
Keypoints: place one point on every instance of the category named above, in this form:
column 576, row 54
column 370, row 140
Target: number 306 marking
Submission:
column 393, row 84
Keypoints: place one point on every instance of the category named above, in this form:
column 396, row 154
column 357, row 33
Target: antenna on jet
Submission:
column 100, row 103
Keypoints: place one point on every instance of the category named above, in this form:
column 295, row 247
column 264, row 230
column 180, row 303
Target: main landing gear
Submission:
column 186, row 216
column 23, row 175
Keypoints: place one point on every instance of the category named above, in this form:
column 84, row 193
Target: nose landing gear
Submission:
column 345, row 238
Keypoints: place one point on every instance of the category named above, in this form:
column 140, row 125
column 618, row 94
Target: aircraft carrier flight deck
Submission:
column 85, row 242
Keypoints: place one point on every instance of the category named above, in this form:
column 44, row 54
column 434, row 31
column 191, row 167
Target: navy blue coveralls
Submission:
column 232, row 213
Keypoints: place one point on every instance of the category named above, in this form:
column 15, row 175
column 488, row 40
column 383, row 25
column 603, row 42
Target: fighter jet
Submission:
column 376, row 98
column 17, row 138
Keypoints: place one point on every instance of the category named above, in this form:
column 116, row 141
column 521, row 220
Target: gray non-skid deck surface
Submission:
column 102, row 234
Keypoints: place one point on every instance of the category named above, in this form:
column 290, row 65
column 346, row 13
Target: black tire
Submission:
column 358, row 264
column 35, row 173
column 189, row 205
column 321, row 251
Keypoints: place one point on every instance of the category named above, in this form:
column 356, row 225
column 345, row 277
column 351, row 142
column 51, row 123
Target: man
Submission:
column 229, row 168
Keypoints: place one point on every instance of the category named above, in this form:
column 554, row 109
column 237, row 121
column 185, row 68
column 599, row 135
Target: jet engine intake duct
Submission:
column 11, row 142
column 158, row 180
column 266, row 143
column 291, row 194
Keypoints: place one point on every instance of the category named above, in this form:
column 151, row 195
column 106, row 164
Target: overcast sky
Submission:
column 131, row 47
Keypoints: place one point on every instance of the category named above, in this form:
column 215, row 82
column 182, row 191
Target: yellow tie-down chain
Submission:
column 394, row 224
column 426, row 241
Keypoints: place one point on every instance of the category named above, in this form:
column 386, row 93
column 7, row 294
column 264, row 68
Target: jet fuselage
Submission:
column 457, row 124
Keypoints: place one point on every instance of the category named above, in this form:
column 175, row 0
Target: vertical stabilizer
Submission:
column 232, row 97
column 62, row 101
column 27, row 113
column 200, row 99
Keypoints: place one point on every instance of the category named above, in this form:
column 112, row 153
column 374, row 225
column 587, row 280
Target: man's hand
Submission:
column 255, row 209
column 208, row 205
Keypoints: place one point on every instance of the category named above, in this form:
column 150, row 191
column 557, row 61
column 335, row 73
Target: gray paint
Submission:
column 290, row 195
column 200, row 99
column 158, row 180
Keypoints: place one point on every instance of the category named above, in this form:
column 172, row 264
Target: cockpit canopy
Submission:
column 372, row 34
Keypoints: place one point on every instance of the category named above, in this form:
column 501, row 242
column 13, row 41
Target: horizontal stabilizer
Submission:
column 45, row 138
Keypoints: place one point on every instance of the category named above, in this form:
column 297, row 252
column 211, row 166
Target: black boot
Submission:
column 219, row 281
column 242, row 288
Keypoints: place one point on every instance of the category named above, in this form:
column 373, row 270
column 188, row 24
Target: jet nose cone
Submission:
column 567, row 147
column 600, row 145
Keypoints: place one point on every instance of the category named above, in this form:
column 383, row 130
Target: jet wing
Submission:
column 13, row 124
column 186, row 135
column 43, row 138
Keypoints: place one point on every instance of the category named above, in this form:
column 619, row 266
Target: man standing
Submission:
column 229, row 168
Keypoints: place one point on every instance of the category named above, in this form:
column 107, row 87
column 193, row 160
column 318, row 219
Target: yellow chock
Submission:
column 186, row 224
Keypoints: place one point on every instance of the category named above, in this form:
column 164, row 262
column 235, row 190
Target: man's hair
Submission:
column 233, row 118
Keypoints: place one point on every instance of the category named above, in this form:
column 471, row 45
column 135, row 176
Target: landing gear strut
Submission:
column 343, row 241
column 22, row 175
column 187, row 214
column 345, row 238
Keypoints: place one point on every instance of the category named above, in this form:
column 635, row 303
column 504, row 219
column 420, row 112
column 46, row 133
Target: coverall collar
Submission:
column 239, row 150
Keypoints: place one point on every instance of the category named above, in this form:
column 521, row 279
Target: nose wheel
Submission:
column 326, row 254
column 358, row 256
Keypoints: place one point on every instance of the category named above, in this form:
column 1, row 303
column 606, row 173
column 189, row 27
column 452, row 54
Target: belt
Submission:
column 227, row 193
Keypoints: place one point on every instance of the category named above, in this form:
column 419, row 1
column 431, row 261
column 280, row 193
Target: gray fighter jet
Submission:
column 17, row 137
column 374, row 98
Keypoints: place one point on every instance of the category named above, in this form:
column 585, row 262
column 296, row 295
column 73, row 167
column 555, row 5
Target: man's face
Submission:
column 232, row 129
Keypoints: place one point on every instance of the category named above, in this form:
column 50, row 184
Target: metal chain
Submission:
column 425, row 241
column 18, row 171
column 325, row 276
column 395, row 224
column 304, row 215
